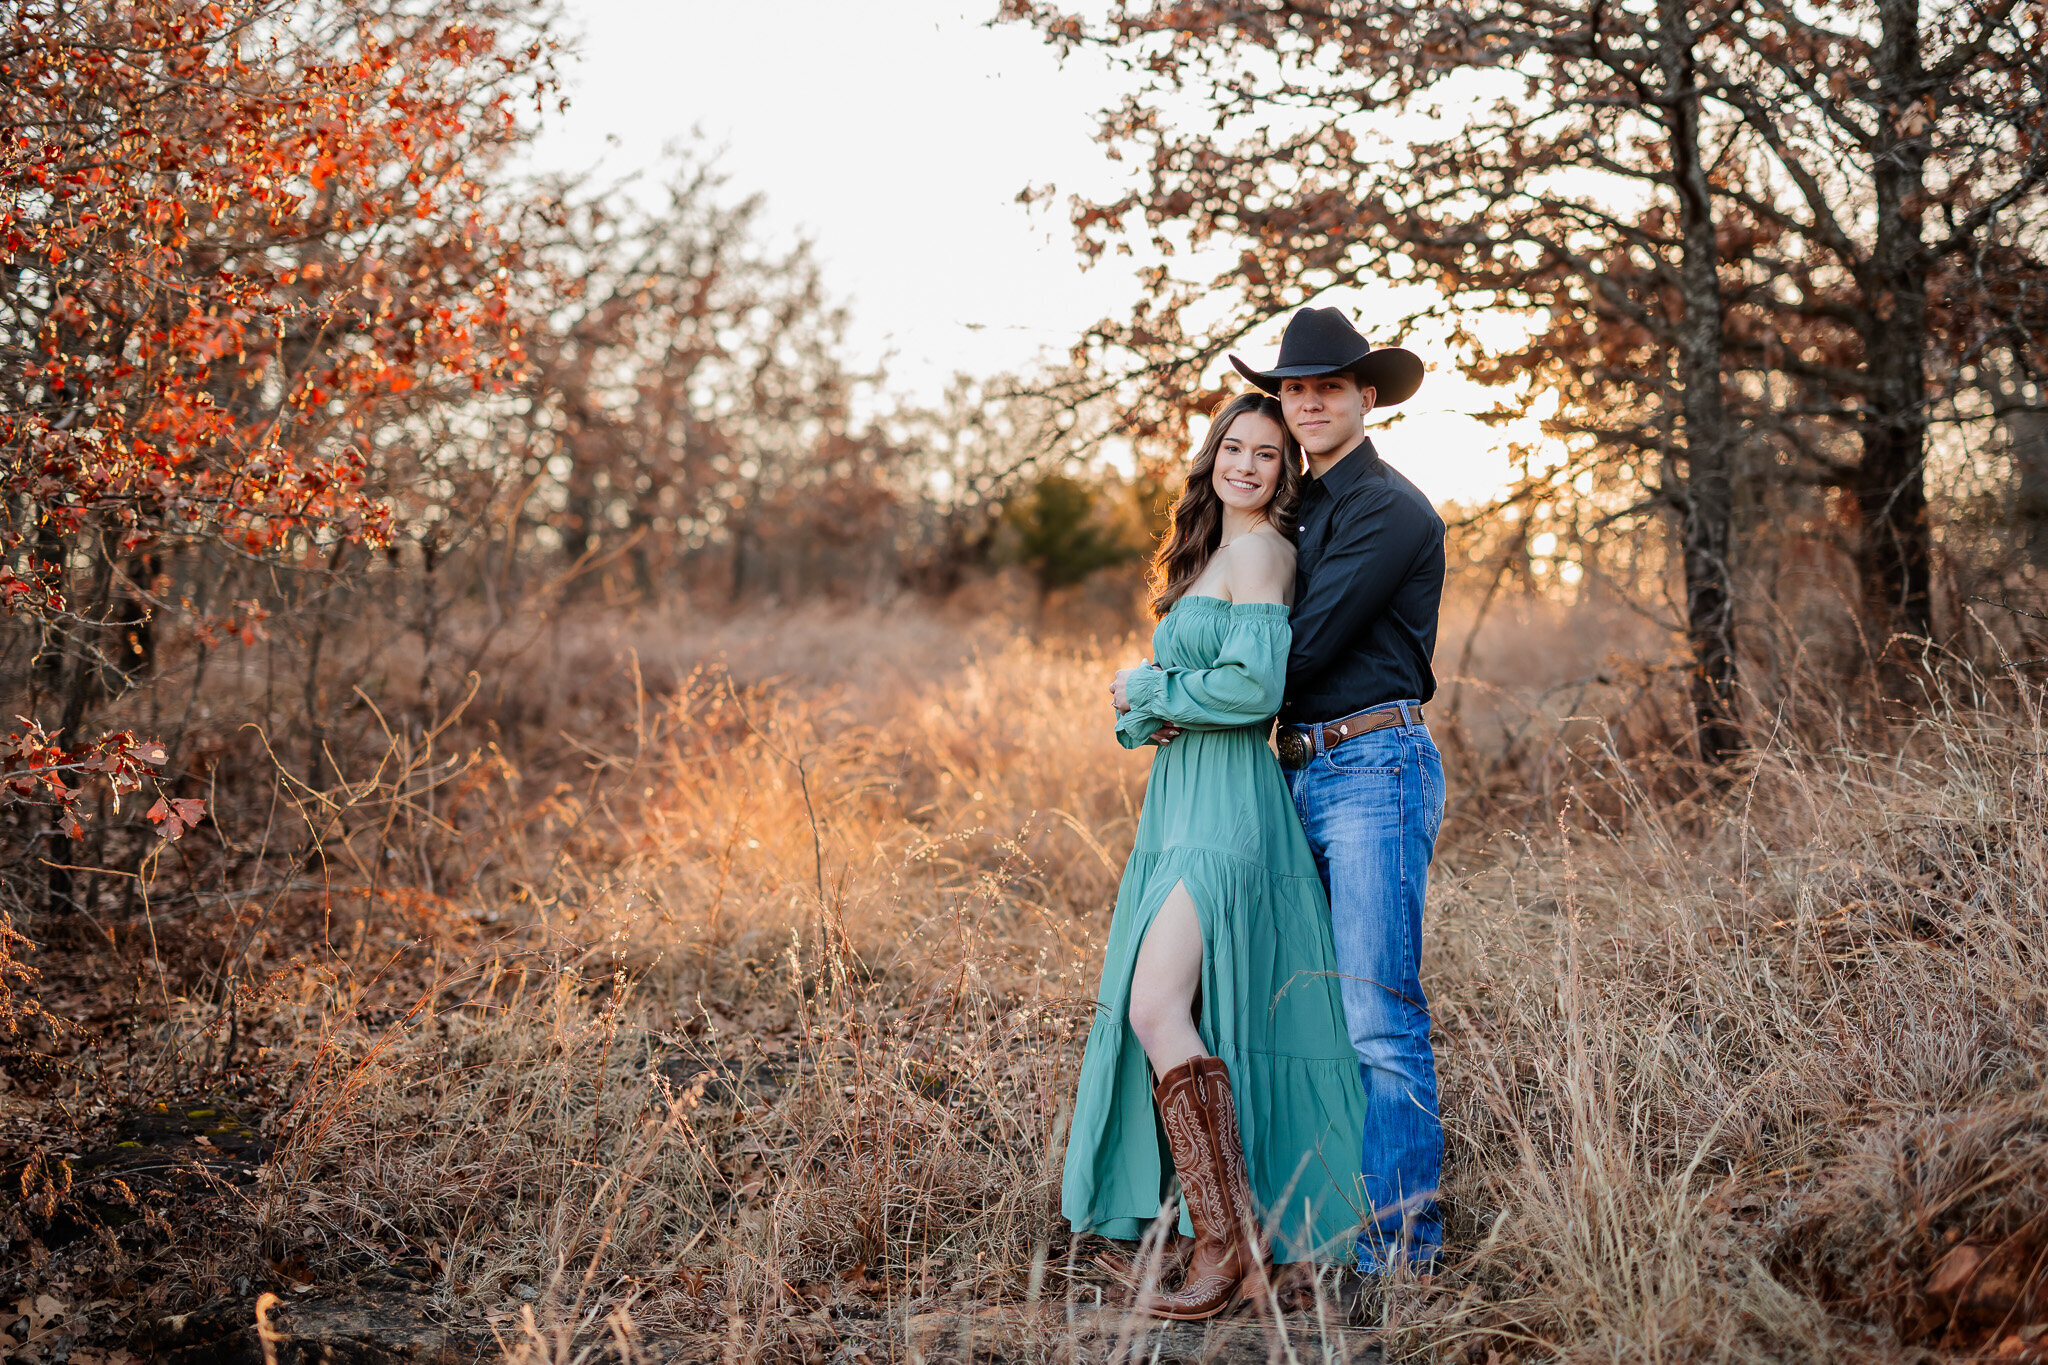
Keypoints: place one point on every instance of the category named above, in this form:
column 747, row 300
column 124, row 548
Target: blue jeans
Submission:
column 1372, row 807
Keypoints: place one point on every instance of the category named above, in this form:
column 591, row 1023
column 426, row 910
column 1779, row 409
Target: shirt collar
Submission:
column 1354, row 469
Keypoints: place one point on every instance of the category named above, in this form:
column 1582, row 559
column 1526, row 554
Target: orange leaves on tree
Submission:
column 34, row 768
column 208, row 340
column 169, row 329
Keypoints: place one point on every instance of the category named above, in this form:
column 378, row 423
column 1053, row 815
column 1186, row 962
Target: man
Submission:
column 1367, row 780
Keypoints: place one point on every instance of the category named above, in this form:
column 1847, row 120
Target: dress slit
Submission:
column 1199, row 1002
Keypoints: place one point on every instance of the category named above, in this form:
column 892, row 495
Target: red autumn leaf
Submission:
column 172, row 816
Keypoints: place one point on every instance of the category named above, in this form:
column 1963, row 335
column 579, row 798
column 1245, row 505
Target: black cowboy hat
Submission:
column 1323, row 341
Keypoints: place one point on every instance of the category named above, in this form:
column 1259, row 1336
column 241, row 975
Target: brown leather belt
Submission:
column 1297, row 743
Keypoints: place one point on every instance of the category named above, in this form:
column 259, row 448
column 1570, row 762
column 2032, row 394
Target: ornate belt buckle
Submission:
column 1293, row 747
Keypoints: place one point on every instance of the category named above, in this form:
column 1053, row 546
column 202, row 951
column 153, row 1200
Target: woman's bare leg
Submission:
column 1163, row 983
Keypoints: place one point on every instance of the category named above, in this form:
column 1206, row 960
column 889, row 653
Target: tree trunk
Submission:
column 2016, row 399
column 646, row 581
column 46, row 674
column 1896, row 550
column 2016, row 404
column 742, row 539
column 2029, row 434
column 134, row 629
column 83, row 685
column 580, row 508
column 1706, row 509
column 311, row 696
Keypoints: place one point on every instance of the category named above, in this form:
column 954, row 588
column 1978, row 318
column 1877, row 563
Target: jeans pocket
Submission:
column 1431, row 765
column 1365, row 756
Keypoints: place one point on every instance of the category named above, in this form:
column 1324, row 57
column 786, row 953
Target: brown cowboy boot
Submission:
column 1228, row 1265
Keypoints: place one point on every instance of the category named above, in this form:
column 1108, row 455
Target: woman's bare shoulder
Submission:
column 1261, row 567
column 1267, row 546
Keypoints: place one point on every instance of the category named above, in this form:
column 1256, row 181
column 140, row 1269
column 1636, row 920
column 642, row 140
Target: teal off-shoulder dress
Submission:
column 1218, row 817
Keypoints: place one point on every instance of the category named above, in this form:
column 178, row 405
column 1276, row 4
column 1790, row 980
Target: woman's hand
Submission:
column 1117, row 695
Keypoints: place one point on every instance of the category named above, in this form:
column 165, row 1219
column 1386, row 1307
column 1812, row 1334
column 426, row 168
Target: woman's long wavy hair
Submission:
column 1197, row 521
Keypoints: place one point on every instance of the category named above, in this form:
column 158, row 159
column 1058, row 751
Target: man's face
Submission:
column 1326, row 412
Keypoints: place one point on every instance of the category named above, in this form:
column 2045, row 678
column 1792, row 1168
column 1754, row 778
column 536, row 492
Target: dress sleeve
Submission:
column 1134, row 730
column 1242, row 687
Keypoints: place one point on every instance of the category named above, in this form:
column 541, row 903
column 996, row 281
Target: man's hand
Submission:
column 1165, row 734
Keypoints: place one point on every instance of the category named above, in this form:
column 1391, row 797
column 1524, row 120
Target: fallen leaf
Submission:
column 1954, row 1271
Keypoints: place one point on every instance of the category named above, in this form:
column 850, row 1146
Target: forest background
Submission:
column 540, row 784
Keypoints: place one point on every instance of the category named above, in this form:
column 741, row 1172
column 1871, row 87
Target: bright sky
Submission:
column 896, row 135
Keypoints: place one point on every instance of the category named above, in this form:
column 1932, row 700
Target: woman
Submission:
column 1220, row 969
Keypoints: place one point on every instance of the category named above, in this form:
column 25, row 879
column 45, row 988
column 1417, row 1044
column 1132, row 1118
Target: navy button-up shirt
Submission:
column 1368, row 582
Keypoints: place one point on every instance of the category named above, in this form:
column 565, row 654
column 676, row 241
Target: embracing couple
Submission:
column 1262, row 1033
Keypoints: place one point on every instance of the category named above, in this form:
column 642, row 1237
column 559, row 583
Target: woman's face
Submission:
column 1248, row 462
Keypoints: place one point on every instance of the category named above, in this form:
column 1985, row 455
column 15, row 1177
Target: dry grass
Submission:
column 1730, row 1087
column 756, row 1023
column 787, row 1004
